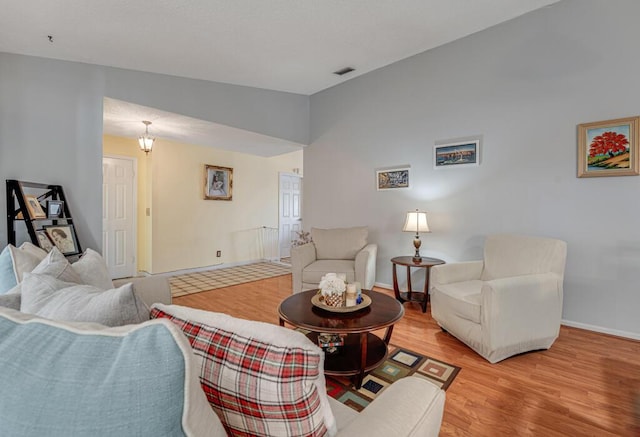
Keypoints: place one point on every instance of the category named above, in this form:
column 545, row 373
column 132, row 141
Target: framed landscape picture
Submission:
column 63, row 237
column 457, row 154
column 608, row 148
column 393, row 178
column 218, row 182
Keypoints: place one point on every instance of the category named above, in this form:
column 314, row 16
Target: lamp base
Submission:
column 417, row 243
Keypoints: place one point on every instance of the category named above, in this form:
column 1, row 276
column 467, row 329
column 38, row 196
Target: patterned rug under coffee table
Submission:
column 400, row 362
column 197, row 282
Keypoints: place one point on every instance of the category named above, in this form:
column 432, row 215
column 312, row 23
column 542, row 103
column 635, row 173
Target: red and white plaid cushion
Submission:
column 256, row 388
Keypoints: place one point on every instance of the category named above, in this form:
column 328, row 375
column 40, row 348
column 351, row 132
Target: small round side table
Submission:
column 410, row 295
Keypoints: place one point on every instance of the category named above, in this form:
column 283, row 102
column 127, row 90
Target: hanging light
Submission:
column 146, row 141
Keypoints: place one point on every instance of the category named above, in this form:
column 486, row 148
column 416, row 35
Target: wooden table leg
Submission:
column 409, row 288
column 396, row 288
column 387, row 335
column 426, row 290
column 363, row 360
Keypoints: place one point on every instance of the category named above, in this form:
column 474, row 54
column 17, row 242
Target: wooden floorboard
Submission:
column 585, row 385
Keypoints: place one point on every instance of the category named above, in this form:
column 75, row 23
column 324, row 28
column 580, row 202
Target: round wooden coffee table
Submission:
column 363, row 351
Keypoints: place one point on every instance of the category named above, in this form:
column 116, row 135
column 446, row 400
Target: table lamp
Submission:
column 416, row 222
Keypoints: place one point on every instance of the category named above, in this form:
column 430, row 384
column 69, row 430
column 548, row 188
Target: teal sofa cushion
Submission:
column 73, row 379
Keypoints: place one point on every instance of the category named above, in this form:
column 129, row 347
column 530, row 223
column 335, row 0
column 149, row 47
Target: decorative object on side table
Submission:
column 416, row 222
column 609, row 148
column 332, row 288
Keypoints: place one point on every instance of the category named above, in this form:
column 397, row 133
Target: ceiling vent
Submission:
column 344, row 71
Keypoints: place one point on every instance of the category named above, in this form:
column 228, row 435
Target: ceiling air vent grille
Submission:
column 344, row 71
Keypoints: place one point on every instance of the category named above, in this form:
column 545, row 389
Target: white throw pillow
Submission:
column 93, row 270
column 25, row 259
column 51, row 298
column 54, row 264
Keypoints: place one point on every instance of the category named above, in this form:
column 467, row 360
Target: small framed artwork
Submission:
column 63, row 237
column 609, row 148
column 34, row 207
column 55, row 209
column 392, row 178
column 43, row 240
column 218, row 182
column 457, row 154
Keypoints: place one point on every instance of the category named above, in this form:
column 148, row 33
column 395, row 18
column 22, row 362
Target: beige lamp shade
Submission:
column 416, row 221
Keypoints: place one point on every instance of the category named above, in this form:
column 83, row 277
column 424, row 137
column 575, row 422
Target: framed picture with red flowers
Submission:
column 609, row 148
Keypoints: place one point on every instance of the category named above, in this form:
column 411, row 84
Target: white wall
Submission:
column 188, row 230
column 51, row 122
column 524, row 86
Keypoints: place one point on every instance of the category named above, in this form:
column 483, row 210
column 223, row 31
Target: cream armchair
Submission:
column 509, row 303
column 341, row 250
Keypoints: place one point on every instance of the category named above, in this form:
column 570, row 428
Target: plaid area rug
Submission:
column 219, row 278
column 400, row 362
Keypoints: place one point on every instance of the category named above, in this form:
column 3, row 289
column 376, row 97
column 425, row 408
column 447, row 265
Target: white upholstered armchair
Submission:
column 509, row 303
column 340, row 250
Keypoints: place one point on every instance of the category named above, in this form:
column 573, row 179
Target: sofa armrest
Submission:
column 411, row 406
column 526, row 304
column 455, row 272
column 365, row 266
column 301, row 257
column 151, row 289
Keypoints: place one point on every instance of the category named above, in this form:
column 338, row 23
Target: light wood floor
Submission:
column 585, row 385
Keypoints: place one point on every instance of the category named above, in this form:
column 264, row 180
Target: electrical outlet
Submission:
column 219, row 253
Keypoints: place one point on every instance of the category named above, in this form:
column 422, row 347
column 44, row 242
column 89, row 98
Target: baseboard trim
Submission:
column 212, row 267
column 600, row 329
column 585, row 326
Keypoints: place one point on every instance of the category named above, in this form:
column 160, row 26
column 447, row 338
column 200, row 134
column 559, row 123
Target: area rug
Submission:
column 400, row 362
column 197, row 282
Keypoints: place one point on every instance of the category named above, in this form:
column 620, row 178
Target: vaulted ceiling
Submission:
column 285, row 45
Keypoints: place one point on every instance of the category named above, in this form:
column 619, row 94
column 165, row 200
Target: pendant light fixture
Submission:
column 146, row 141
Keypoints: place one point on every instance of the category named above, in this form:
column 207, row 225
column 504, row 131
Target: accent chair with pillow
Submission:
column 339, row 250
column 506, row 304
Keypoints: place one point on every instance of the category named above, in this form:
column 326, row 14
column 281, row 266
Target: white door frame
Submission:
column 135, row 206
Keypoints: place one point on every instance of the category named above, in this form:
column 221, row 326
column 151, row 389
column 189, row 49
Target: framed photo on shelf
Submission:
column 64, row 238
column 392, row 178
column 34, row 207
column 609, row 148
column 457, row 154
column 218, row 182
column 43, row 240
column 55, row 209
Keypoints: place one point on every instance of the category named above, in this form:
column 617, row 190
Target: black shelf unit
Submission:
column 17, row 210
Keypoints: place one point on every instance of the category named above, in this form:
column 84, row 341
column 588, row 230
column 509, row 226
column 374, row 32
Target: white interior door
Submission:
column 290, row 211
column 118, row 215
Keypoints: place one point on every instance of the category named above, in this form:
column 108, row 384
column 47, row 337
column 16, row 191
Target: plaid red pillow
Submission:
column 256, row 388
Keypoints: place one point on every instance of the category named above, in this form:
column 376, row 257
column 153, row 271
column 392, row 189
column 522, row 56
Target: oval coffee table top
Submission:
column 298, row 310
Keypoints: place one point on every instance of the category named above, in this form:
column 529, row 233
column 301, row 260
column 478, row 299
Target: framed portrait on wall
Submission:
column 609, row 148
column 218, row 182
